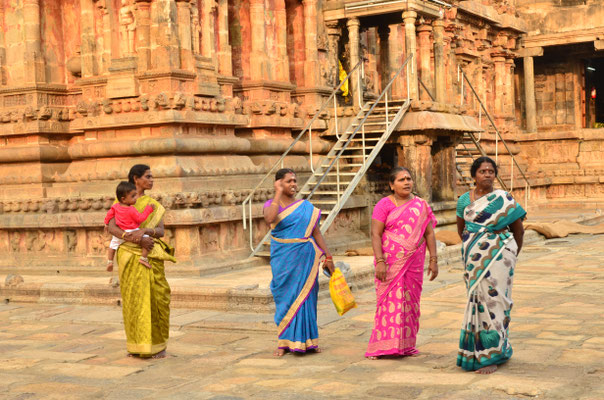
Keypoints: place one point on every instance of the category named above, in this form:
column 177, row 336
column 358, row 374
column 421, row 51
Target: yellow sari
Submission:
column 145, row 292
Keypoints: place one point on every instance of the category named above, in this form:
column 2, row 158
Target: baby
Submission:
column 127, row 218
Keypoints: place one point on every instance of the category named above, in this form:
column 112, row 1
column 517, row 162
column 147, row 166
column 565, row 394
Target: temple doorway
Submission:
column 594, row 93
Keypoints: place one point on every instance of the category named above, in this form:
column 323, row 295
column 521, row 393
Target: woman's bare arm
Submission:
column 517, row 229
column 135, row 237
column 430, row 237
column 156, row 232
column 461, row 224
column 318, row 236
column 377, row 230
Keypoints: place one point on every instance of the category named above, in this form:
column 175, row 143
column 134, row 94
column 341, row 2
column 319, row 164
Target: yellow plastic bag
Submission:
column 340, row 293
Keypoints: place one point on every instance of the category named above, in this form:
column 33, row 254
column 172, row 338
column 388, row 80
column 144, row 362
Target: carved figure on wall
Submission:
column 14, row 241
column 71, row 240
column 195, row 29
column 127, row 28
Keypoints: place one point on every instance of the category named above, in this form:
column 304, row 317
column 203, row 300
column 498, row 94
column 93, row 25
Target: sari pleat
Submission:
column 295, row 259
column 489, row 255
column 145, row 292
column 397, row 313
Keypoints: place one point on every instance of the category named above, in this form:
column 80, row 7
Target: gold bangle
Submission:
column 123, row 234
column 153, row 232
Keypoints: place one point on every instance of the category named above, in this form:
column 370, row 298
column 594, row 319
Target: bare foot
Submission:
column 373, row 358
column 487, row 370
column 279, row 352
column 133, row 355
column 161, row 354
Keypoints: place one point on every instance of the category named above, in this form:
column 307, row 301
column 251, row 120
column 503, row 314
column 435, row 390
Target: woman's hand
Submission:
column 278, row 187
column 138, row 238
column 432, row 270
column 330, row 266
column 380, row 270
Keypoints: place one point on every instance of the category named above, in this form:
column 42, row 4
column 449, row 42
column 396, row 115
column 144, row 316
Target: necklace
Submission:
column 405, row 200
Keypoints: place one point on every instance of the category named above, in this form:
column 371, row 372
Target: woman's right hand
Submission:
column 138, row 238
column 278, row 187
column 380, row 270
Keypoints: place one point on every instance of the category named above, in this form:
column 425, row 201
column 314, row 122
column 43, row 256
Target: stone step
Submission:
column 233, row 291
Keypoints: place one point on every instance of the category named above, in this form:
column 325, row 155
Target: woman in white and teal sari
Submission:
column 297, row 251
column 489, row 223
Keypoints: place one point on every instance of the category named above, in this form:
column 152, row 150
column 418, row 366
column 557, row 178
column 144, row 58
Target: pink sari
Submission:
column 397, row 306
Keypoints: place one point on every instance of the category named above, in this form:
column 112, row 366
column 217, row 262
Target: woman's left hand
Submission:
column 330, row 266
column 432, row 270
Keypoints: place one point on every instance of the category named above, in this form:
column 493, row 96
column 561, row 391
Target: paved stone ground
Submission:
column 557, row 330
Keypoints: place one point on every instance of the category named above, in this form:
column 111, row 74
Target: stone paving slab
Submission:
column 52, row 351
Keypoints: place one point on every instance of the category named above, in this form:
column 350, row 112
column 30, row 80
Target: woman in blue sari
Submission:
column 489, row 222
column 297, row 250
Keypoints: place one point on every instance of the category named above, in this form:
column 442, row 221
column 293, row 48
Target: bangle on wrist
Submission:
column 123, row 234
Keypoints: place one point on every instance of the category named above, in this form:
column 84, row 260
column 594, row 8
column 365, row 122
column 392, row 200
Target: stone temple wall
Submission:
column 209, row 93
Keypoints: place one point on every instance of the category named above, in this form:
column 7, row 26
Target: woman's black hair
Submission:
column 123, row 188
column 282, row 172
column 137, row 171
column 478, row 162
column 395, row 171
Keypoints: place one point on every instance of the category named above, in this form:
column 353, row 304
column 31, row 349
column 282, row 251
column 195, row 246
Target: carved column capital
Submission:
column 409, row 17
column 353, row 22
column 333, row 29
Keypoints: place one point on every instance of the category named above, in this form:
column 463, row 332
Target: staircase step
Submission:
column 333, row 173
column 344, row 165
column 322, row 192
column 319, row 201
column 369, row 123
column 345, row 156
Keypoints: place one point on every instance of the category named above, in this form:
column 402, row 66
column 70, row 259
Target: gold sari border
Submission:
column 308, row 285
column 316, row 213
column 145, row 348
column 287, row 212
column 298, row 346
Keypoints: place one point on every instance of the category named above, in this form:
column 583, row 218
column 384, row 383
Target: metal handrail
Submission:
column 425, row 88
column 307, row 128
column 361, row 124
column 498, row 136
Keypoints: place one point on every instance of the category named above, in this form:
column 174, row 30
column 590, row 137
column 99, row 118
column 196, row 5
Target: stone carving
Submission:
column 127, row 28
column 195, row 29
column 97, row 242
column 13, row 280
column 71, row 240
column 14, row 241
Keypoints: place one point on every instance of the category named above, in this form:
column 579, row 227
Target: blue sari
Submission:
column 295, row 259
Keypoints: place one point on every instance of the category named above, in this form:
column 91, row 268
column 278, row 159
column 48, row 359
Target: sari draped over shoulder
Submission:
column 145, row 292
column 397, row 307
column 489, row 256
column 295, row 259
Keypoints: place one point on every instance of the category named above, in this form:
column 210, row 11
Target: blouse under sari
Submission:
column 295, row 259
column 489, row 256
column 397, row 306
column 145, row 292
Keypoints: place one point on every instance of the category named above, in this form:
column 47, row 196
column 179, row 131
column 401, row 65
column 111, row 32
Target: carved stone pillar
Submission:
column 509, row 87
column 3, row 80
column 333, row 36
column 143, row 34
column 259, row 65
column 281, row 60
column 34, row 60
column 208, row 26
column 409, row 18
column 106, row 37
column 165, row 50
column 225, row 65
column 499, row 84
column 395, row 58
column 424, row 32
column 312, row 69
column 384, row 62
column 89, row 67
column 414, row 152
column 529, row 95
column 439, row 61
column 183, row 16
column 371, row 75
column 353, row 25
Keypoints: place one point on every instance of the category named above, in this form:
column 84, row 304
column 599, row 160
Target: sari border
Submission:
column 306, row 289
column 298, row 347
column 287, row 212
column 314, row 219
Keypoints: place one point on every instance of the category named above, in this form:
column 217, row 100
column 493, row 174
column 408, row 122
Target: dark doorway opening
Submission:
column 594, row 93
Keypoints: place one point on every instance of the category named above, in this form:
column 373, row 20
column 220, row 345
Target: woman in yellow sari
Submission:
column 145, row 292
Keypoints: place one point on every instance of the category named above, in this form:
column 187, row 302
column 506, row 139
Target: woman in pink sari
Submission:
column 402, row 227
